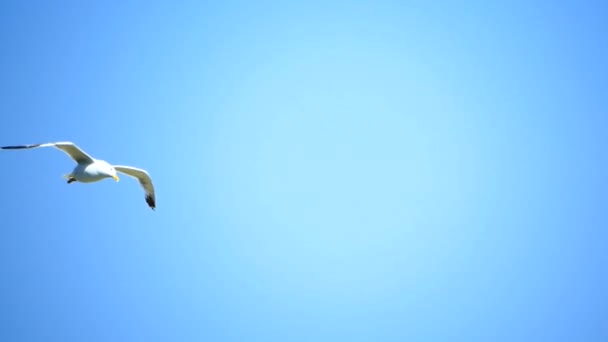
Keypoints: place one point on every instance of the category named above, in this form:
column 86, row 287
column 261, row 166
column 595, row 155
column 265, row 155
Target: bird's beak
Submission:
column 116, row 178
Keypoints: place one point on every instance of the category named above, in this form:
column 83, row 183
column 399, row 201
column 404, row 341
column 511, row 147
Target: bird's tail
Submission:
column 70, row 178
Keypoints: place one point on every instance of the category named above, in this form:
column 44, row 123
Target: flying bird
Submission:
column 89, row 169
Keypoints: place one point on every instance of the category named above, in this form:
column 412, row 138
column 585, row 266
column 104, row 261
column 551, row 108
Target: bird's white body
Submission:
column 93, row 172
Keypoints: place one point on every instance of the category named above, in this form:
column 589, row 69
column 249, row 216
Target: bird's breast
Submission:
column 88, row 173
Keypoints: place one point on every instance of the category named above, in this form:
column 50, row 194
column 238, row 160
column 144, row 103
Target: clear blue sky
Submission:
column 325, row 171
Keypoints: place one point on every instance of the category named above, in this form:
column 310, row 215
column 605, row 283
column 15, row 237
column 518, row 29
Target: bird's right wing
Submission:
column 144, row 180
column 69, row 148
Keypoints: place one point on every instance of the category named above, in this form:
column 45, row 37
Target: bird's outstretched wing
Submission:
column 144, row 180
column 69, row 148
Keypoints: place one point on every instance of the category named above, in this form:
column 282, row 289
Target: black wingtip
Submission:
column 151, row 202
column 18, row 147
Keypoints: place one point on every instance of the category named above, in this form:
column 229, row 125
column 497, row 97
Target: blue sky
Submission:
column 325, row 171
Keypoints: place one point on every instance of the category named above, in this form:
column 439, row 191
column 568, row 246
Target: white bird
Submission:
column 89, row 169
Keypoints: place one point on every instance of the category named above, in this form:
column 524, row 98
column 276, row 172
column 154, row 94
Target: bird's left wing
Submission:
column 144, row 180
column 69, row 148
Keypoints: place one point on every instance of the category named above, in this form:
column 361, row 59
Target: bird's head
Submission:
column 108, row 170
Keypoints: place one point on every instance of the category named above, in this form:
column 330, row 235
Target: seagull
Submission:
column 89, row 169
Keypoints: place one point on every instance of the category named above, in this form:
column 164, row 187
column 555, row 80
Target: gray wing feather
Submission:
column 69, row 148
column 144, row 180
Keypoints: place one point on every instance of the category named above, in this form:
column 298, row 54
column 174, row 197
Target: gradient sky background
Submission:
column 325, row 171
